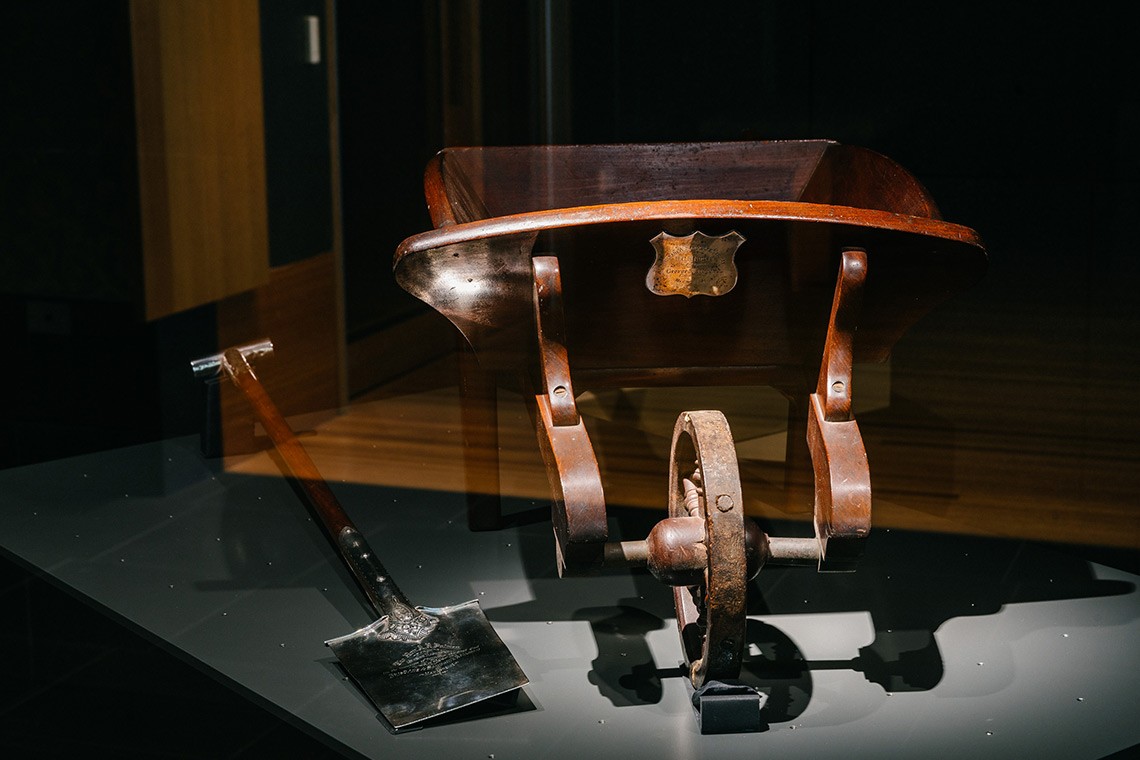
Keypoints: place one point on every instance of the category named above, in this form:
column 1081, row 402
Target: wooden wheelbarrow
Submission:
column 586, row 267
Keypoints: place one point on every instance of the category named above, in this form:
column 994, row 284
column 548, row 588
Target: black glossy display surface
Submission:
column 940, row 645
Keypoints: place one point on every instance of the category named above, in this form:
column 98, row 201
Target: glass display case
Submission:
column 990, row 605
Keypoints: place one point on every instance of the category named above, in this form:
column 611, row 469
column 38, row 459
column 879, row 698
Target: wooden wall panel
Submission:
column 198, row 93
column 298, row 310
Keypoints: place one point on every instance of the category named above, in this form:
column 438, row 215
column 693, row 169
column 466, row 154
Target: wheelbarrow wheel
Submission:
column 704, row 481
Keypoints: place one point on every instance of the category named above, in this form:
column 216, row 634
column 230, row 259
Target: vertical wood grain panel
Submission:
column 197, row 68
column 297, row 310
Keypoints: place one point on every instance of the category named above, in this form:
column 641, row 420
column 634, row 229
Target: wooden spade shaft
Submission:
column 370, row 574
column 413, row 663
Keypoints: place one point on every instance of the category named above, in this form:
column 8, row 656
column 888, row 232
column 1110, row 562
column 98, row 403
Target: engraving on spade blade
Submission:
column 696, row 264
column 429, row 660
column 406, row 625
column 462, row 661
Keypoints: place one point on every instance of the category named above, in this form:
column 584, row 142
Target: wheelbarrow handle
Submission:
column 371, row 575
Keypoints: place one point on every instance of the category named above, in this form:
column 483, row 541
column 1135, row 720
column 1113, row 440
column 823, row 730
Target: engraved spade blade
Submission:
column 416, row 663
column 413, row 663
column 461, row 662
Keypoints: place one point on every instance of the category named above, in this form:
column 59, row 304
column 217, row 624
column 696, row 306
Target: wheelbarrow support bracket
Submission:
column 579, row 531
column 839, row 460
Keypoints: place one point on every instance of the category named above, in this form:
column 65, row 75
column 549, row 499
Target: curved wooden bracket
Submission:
column 550, row 327
column 834, row 385
column 578, row 512
column 839, row 460
column 579, row 508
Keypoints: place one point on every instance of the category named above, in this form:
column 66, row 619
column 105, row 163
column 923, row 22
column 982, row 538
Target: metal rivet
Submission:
column 724, row 503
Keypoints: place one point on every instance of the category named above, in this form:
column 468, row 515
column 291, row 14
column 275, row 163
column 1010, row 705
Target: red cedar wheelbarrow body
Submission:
column 586, row 267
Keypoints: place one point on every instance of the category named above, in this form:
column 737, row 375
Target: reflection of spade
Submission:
column 252, row 553
column 624, row 670
column 259, row 558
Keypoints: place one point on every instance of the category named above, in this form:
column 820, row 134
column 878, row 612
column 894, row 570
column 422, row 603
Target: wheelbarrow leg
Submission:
column 839, row 460
column 579, row 508
column 479, row 420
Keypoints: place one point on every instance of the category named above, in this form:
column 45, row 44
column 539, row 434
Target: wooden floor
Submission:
column 966, row 431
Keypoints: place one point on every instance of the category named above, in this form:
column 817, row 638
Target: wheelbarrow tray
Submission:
column 796, row 203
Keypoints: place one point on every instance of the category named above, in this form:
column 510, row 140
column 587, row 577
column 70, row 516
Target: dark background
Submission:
column 1020, row 120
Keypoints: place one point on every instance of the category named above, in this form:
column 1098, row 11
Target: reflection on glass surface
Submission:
column 996, row 608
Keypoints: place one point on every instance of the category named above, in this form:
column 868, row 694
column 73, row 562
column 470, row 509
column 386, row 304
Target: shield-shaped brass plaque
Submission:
column 693, row 265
